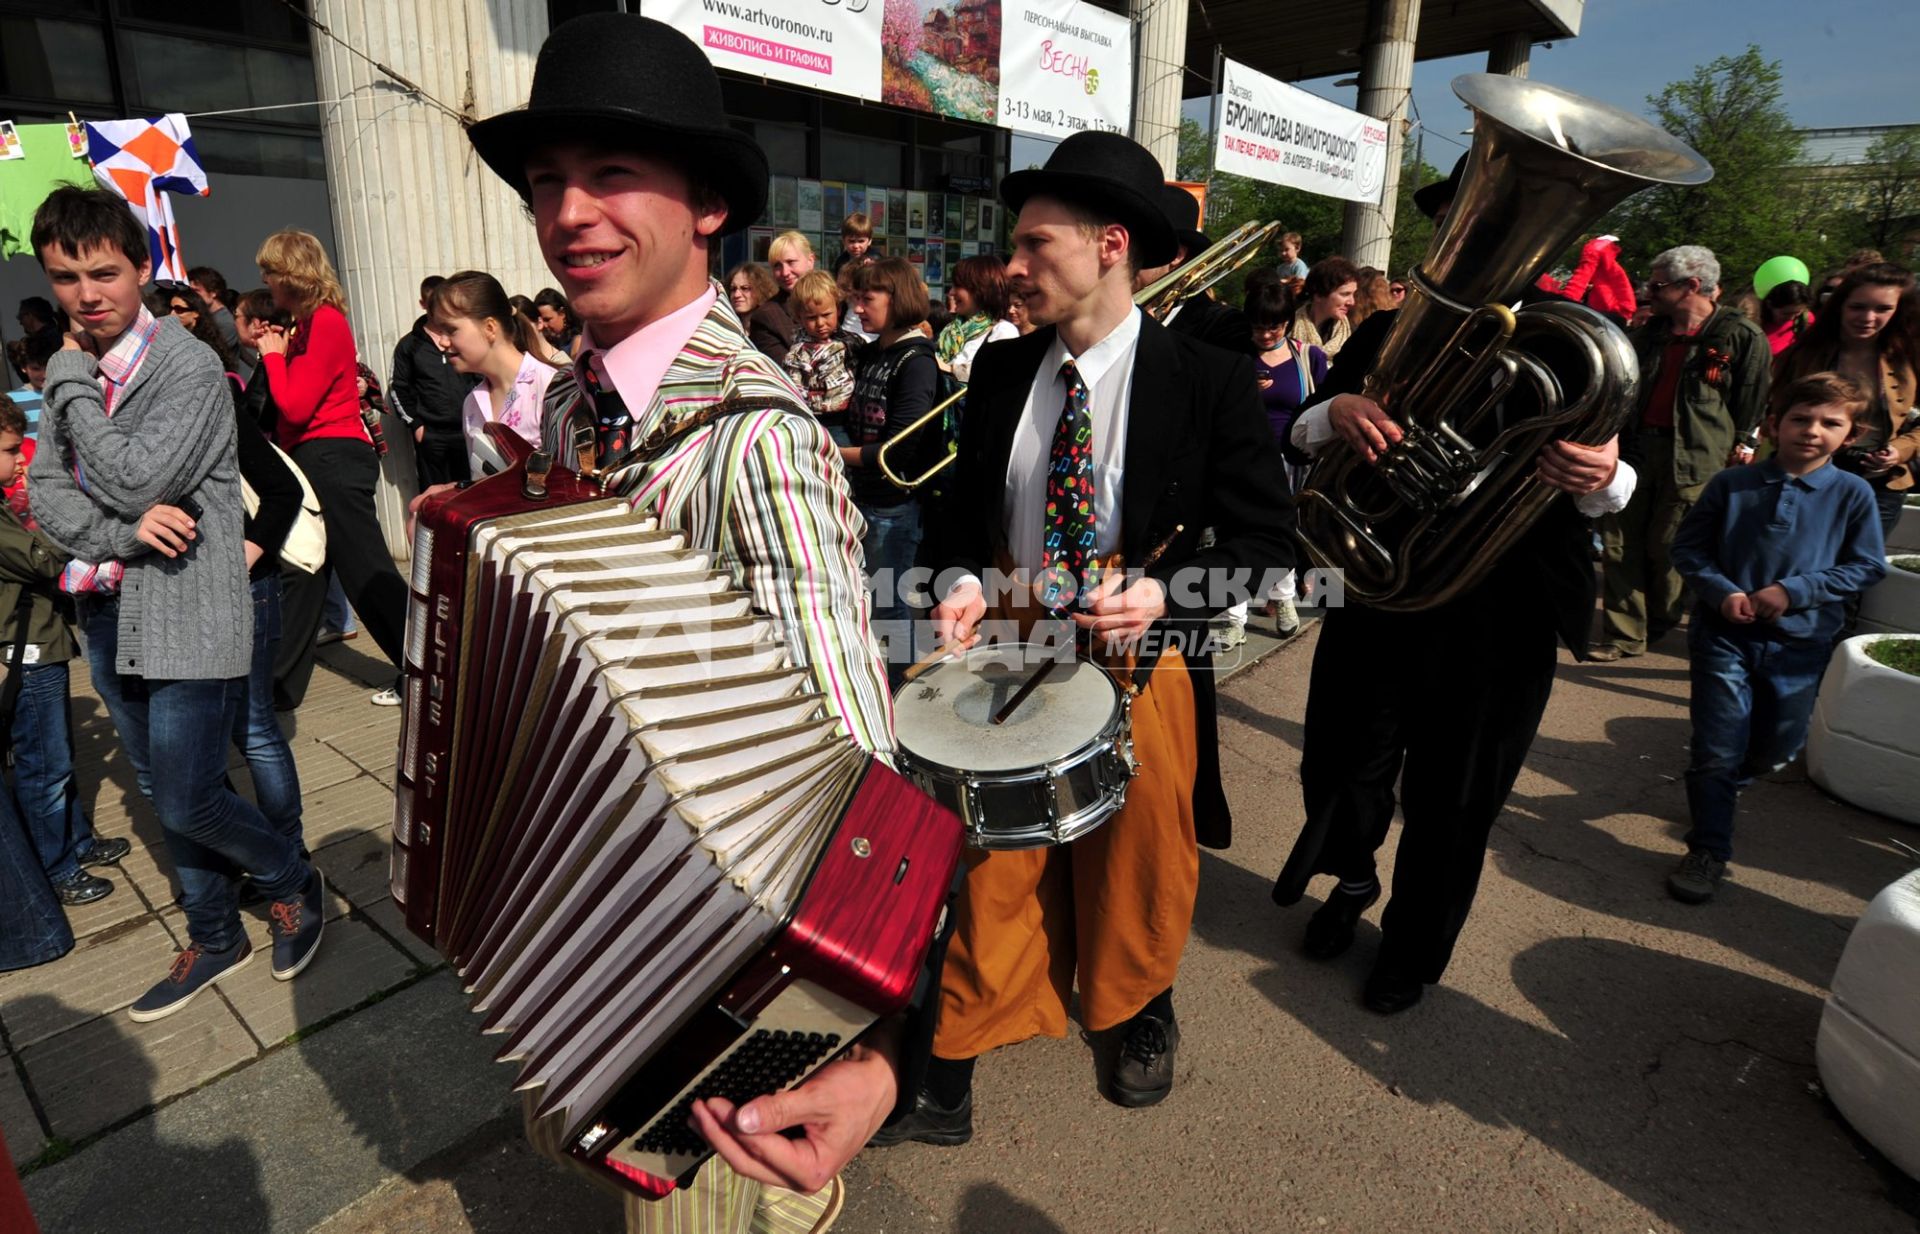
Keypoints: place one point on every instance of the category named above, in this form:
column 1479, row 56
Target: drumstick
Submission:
column 1020, row 696
column 932, row 658
column 1160, row 549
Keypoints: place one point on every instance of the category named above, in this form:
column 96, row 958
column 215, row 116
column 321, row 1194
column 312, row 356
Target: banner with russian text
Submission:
column 1279, row 133
column 830, row 45
column 1065, row 67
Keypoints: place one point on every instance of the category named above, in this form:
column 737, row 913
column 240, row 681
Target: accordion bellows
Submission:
column 653, row 856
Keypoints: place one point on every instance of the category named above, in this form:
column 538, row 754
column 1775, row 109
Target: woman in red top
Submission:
column 313, row 375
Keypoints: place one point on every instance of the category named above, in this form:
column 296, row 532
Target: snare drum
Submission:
column 1056, row 769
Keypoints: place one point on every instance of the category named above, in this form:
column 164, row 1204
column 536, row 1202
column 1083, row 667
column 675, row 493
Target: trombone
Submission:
column 1156, row 300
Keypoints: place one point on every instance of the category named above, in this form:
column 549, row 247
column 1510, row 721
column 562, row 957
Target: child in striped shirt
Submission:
column 821, row 361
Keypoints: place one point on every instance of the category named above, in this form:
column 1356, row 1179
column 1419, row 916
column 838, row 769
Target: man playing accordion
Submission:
column 632, row 174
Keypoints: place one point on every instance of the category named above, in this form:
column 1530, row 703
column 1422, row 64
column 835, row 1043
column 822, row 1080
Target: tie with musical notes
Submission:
column 612, row 422
column 1069, row 537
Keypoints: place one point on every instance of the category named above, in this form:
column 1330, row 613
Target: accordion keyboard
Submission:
column 802, row 1028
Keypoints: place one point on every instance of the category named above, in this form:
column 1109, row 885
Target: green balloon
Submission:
column 1778, row 270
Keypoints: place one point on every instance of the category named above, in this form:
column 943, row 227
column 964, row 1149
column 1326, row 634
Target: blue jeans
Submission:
column 337, row 614
column 183, row 727
column 256, row 730
column 43, row 771
column 1752, row 697
column 33, row 929
column 890, row 546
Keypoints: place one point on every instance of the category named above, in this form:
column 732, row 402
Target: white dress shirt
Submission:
column 1107, row 369
column 1313, row 429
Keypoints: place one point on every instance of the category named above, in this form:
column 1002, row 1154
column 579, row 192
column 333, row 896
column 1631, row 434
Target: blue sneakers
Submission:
column 193, row 971
column 296, row 928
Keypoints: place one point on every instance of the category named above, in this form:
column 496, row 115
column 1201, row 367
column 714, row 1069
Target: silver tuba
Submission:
column 1476, row 388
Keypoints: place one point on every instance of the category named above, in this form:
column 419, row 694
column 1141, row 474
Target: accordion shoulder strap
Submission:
column 669, row 434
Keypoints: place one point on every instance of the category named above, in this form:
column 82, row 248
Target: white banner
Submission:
column 825, row 44
column 1279, row 133
column 1065, row 67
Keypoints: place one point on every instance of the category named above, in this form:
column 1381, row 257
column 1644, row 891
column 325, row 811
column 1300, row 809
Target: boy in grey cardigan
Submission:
column 136, row 476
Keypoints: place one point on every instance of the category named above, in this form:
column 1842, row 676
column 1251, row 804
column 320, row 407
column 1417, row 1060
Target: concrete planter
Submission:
column 1864, row 746
column 1868, row 1048
column 1892, row 605
column 1906, row 532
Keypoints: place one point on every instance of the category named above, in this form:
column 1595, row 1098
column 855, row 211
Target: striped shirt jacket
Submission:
column 764, row 491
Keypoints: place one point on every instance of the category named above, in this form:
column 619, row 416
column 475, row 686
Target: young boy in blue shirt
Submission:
column 1771, row 552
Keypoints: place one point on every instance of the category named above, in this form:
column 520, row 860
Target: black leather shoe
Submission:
column 107, row 852
column 1330, row 929
column 1144, row 1074
column 1388, row 992
column 82, row 888
column 929, row 1124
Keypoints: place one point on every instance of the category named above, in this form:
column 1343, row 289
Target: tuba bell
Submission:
column 1477, row 388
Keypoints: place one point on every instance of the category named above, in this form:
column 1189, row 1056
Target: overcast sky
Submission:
column 1845, row 62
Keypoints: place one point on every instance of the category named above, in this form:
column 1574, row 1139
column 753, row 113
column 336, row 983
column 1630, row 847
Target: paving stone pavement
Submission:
column 1599, row 1057
column 75, row 1065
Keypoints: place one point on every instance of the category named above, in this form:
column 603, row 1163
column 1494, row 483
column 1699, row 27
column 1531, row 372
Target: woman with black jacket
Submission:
column 895, row 382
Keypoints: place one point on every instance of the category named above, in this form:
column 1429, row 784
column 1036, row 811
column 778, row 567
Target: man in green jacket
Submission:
column 1703, row 389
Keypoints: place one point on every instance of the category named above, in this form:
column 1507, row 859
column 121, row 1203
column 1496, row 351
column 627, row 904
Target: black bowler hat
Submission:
column 632, row 83
column 1112, row 175
column 1183, row 213
column 1435, row 197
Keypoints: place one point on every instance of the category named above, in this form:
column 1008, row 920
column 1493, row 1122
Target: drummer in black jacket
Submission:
column 1446, row 701
column 1101, row 436
column 427, row 393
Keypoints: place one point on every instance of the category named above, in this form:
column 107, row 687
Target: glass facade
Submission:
column 106, row 59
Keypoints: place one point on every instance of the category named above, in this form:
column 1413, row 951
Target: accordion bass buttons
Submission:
column 862, row 847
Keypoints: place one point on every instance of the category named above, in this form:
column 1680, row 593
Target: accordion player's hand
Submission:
column 801, row 1138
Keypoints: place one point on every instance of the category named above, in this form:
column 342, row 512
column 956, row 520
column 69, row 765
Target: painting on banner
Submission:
column 1279, row 133
column 829, row 47
column 943, row 56
column 1065, row 68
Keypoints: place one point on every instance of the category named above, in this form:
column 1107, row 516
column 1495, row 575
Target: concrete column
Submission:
column 1386, row 80
column 1510, row 54
column 1159, row 64
column 409, row 196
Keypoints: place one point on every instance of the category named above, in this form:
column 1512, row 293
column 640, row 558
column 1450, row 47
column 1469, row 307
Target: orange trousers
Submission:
column 1111, row 910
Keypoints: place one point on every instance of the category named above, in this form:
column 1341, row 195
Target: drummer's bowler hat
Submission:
column 630, row 83
column 1111, row 175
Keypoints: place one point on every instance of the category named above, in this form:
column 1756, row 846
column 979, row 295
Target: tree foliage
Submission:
column 1756, row 206
column 1889, row 187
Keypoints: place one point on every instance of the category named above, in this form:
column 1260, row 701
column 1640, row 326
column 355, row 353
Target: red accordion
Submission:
column 625, row 816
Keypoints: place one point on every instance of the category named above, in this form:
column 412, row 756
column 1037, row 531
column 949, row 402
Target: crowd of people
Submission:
column 185, row 493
